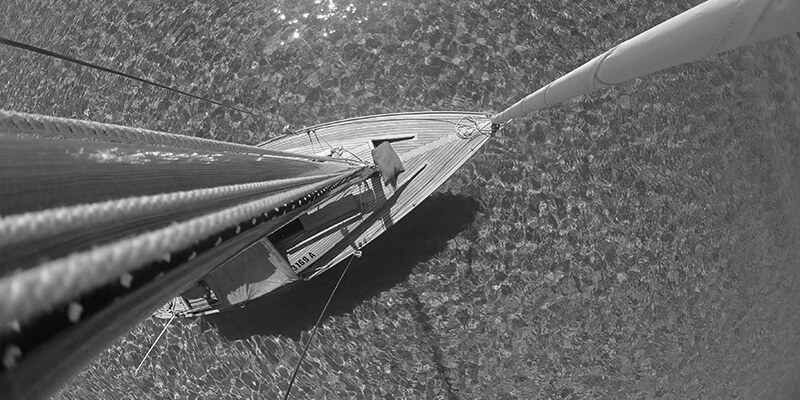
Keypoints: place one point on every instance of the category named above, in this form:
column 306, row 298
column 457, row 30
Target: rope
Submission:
column 49, row 53
column 26, row 292
column 35, row 225
column 311, row 141
column 467, row 128
column 316, row 325
column 154, row 344
column 18, row 122
column 333, row 150
column 319, row 140
column 354, row 155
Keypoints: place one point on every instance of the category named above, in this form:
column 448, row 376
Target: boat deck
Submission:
column 431, row 145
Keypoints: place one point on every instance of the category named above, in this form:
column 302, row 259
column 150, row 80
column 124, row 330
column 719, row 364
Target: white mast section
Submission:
column 707, row 29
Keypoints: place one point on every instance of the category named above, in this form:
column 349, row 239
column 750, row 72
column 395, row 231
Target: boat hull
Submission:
column 431, row 145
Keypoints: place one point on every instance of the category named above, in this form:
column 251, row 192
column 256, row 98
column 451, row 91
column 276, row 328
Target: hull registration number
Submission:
column 303, row 262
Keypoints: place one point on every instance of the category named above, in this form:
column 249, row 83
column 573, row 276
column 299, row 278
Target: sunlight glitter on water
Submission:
column 547, row 295
column 330, row 10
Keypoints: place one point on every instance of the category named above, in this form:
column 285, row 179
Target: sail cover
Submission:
column 710, row 28
column 253, row 273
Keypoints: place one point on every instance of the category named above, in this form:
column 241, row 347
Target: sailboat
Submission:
column 329, row 233
column 414, row 152
column 103, row 223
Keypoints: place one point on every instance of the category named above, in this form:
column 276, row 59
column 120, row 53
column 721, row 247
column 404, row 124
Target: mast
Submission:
column 710, row 28
column 100, row 224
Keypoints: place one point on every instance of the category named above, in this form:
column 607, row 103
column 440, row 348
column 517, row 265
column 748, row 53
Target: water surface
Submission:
column 640, row 242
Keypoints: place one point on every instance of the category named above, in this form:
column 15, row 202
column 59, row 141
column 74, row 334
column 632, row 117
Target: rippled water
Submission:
column 640, row 242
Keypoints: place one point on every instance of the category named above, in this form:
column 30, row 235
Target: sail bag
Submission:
column 388, row 163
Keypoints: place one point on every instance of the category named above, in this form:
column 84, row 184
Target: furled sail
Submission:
column 707, row 29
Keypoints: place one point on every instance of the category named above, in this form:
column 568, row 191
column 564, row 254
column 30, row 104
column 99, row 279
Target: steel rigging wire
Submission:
column 39, row 50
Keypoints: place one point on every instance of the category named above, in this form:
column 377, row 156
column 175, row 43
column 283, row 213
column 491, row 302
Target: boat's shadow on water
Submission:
column 387, row 261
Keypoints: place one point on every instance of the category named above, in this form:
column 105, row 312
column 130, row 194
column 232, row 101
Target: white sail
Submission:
column 707, row 29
